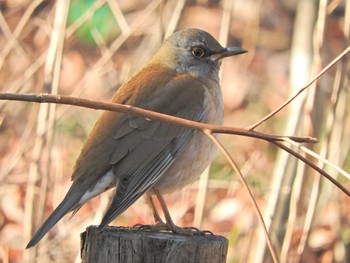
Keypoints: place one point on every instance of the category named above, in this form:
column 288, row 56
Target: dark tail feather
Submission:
column 67, row 205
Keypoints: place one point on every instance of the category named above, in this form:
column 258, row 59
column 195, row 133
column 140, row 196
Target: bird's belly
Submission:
column 189, row 165
column 198, row 153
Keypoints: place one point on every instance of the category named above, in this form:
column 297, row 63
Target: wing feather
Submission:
column 138, row 150
column 149, row 159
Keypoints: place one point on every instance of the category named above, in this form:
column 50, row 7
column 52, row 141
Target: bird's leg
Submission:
column 158, row 220
column 160, row 225
column 156, row 215
column 169, row 221
column 170, row 225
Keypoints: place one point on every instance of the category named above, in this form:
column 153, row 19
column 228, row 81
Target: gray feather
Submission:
column 67, row 205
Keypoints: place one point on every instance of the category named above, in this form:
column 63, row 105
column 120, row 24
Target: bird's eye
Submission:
column 198, row 52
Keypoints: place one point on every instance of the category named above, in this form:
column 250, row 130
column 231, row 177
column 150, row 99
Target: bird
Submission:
column 137, row 155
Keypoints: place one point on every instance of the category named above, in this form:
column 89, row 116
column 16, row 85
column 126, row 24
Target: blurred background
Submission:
column 88, row 48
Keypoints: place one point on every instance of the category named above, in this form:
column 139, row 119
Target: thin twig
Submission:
column 128, row 109
column 246, row 187
column 273, row 113
column 18, row 30
column 312, row 165
column 175, row 18
column 319, row 157
column 119, row 16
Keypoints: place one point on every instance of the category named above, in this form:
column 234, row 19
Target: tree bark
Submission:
column 130, row 245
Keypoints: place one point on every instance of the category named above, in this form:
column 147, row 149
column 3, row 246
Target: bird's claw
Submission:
column 143, row 227
column 164, row 227
column 196, row 231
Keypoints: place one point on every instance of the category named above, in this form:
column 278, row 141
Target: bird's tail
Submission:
column 67, row 205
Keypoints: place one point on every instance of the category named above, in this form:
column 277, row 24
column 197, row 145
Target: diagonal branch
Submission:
column 246, row 187
column 319, row 157
column 312, row 165
column 273, row 113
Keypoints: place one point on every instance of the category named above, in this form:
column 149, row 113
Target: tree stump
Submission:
column 130, row 245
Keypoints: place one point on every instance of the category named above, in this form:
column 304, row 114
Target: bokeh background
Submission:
column 89, row 48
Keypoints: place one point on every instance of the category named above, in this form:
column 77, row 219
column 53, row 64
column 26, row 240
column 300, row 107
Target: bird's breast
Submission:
column 199, row 151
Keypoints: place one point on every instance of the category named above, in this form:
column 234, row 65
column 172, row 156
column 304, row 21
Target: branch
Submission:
column 247, row 189
column 128, row 109
column 312, row 165
column 273, row 113
column 319, row 157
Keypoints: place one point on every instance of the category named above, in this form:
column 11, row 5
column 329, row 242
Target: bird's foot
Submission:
column 166, row 227
column 188, row 230
column 152, row 228
column 195, row 231
column 143, row 227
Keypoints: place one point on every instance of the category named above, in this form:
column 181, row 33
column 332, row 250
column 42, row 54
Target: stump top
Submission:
column 124, row 244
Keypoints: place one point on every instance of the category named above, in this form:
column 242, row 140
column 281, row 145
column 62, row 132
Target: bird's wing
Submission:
column 138, row 150
column 154, row 145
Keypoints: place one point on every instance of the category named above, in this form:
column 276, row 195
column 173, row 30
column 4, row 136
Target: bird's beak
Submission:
column 228, row 52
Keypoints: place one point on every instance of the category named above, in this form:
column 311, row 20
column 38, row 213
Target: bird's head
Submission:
column 195, row 52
